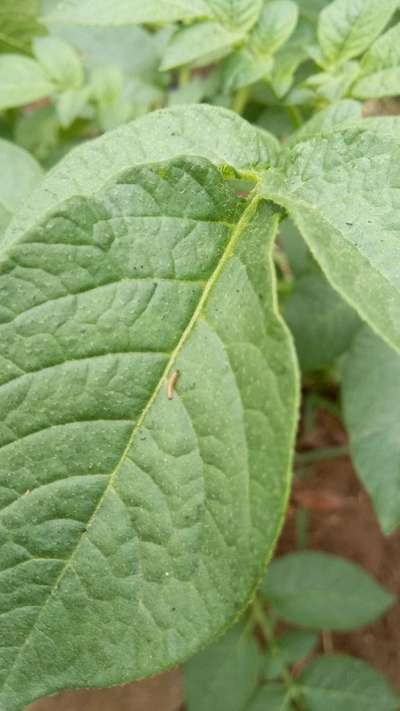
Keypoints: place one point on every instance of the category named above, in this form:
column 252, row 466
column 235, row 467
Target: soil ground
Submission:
column 340, row 520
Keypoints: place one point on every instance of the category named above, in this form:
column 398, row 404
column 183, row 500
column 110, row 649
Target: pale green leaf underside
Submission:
column 371, row 387
column 217, row 134
column 343, row 192
column 125, row 12
column 134, row 527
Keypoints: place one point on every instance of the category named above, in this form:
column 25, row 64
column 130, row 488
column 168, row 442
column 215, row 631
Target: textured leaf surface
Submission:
column 328, row 119
column 123, row 12
column 343, row 192
column 380, row 67
column 347, row 27
column 371, row 399
column 18, row 25
column 323, row 325
column 217, row 134
column 22, row 174
column 224, row 676
column 339, row 682
column 135, row 527
column 322, row 591
column 22, row 80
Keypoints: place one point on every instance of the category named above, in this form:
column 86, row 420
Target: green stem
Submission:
column 261, row 618
column 241, row 99
column 319, row 455
column 184, row 76
column 302, row 522
column 295, row 116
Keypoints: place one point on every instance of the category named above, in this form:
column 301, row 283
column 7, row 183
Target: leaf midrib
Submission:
column 228, row 252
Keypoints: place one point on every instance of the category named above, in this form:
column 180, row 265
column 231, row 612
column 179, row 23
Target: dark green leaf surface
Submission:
column 342, row 190
column 322, row 591
column 134, row 527
column 371, row 389
column 224, row 676
column 340, row 682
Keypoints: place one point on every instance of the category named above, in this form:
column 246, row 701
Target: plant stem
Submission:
column 321, row 454
column 261, row 618
column 302, row 521
column 184, row 76
column 240, row 100
column 295, row 116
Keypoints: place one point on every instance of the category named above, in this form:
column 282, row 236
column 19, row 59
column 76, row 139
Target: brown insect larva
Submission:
column 171, row 382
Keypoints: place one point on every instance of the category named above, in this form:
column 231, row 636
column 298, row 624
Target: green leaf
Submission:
column 224, row 675
column 102, row 46
column 342, row 192
column 380, row 68
column 271, row 698
column 38, row 132
column 217, row 134
column 147, row 520
column 127, row 12
column 330, row 118
column 310, row 9
column 322, row 324
column 243, row 68
column 253, row 62
column 22, row 174
column 22, row 80
column 340, row 682
column 196, row 42
column 347, row 27
column 238, row 15
column 60, row 61
column 332, row 86
column 290, row 648
column 296, row 250
column 322, row 591
column 276, row 23
column 290, row 57
column 371, row 387
column 18, row 25
column 72, row 104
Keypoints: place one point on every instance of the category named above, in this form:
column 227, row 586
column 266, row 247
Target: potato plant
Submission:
column 220, row 225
